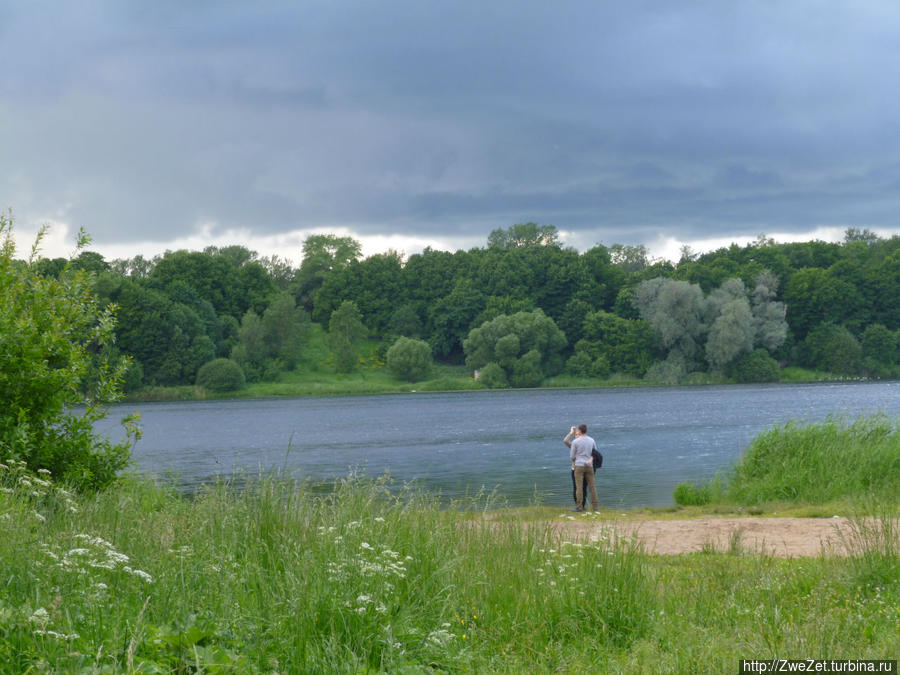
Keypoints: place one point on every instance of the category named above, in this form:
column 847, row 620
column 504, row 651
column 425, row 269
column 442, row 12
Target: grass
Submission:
column 265, row 576
column 809, row 464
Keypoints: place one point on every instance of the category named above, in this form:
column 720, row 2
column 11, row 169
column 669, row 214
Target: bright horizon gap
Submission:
column 59, row 242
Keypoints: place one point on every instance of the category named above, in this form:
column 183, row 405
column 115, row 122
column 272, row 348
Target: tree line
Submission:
column 518, row 310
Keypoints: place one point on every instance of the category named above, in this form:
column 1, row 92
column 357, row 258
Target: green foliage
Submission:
column 50, row 331
column 409, row 359
column 708, row 312
column 233, row 285
column 687, row 493
column 405, row 321
column 526, row 346
column 220, row 375
column 880, row 347
column 271, row 575
column 818, row 463
column 815, row 296
column 732, row 331
column 677, row 311
column 451, row 317
column 345, row 332
column 770, row 327
column 493, row 376
column 323, row 254
column 626, row 345
column 524, row 234
column 285, row 327
column 757, row 366
column 833, row 348
column 250, row 351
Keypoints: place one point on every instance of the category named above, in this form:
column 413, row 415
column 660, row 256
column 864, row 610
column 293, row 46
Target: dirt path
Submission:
column 785, row 537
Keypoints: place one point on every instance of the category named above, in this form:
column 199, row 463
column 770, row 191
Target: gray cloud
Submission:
column 616, row 121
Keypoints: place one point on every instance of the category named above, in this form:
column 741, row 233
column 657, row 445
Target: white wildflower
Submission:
column 379, row 519
column 364, row 598
column 44, row 472
column 365, row 545
column 116, row 557
column 139, row 573
column 96, row 541
column 40, row 616
column 440, row 637
column 58, row 636
column 39, row 517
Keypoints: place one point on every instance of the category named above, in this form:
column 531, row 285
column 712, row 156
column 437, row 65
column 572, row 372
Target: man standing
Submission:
column 582, row 463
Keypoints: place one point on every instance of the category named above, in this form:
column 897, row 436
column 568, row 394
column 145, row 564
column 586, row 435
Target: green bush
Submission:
column 409, row 359
column 220, row 375
column 57, row 372
column 834, row 349
column 757, row 366
column 579, row 364
column 493, row 376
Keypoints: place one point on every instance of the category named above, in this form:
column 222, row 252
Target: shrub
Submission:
column 409, row 359
column 51, row 330
column 220, row 375
column 835, row 349
column 579, row 364
column 493, row 376
column 757, row 366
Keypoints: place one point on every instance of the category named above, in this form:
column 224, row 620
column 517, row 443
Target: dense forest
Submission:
column 518, row 310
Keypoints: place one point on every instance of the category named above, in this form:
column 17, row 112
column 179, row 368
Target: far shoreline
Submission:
column 358, row 384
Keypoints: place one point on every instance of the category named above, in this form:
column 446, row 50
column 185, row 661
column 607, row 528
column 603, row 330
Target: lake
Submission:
column 509, row 441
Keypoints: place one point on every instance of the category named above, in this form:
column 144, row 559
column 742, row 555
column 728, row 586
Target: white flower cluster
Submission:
column 94, row 552
column 371, row 562
column 15, row 473
column 41, row 618
column 441, row 636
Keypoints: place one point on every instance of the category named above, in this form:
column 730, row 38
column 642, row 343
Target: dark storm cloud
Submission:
column 619, row 121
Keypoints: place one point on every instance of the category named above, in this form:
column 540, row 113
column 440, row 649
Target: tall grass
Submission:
column 810, row 464
column 268, row 577
column 272, row 578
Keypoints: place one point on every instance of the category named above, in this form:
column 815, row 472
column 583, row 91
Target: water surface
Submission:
column 508, row 441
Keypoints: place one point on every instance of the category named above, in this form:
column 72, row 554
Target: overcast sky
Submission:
column 171, row 124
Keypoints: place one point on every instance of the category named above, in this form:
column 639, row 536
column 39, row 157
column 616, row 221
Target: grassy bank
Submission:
column 809, row 464
column 271, row 578
column 444, row 378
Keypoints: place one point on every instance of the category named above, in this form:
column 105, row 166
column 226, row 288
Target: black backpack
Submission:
column 597, row 458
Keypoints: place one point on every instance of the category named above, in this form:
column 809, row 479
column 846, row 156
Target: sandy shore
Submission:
column 785, row 537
